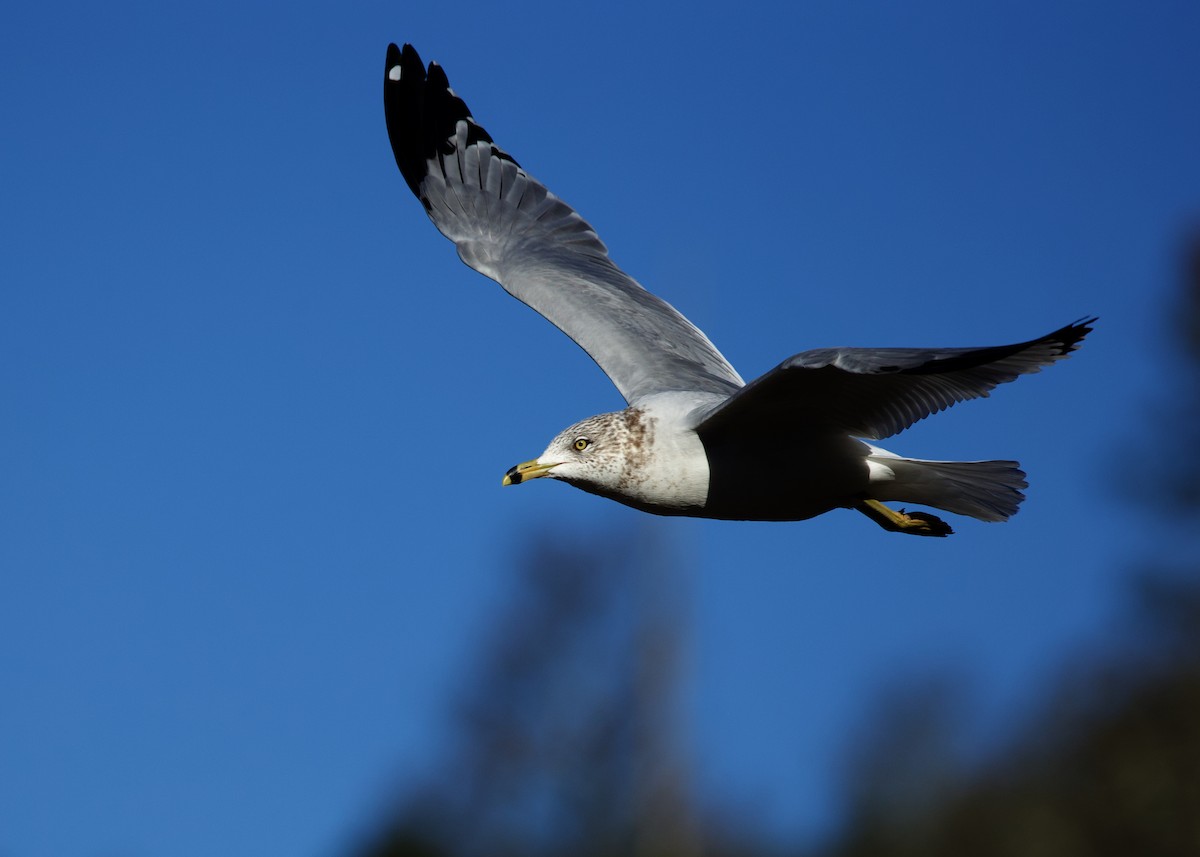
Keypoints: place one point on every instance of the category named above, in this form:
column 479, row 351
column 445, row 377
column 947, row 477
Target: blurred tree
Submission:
column 1111, row 764
column 567, row 736
column 1119, row 775
column 1164, row 479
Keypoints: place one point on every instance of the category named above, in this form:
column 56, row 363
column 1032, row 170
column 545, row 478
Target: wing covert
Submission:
column 874, row 393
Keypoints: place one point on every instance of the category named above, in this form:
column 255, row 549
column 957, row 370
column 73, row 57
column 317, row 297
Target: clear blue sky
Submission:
column 256, row 412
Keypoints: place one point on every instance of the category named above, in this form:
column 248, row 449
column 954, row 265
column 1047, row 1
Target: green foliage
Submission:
column 1110, row 767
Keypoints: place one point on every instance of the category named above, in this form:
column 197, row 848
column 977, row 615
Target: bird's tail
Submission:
column 987, row 490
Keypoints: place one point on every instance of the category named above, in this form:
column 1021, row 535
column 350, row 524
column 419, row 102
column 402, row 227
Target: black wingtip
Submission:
column 1073, row 334
column 403, row 106
column 422, row 113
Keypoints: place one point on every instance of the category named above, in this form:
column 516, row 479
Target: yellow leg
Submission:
column 913, row 523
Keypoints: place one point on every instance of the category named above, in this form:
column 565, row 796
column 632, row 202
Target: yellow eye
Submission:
column 581, row 443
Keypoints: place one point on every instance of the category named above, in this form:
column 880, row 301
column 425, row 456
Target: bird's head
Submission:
column 592, row 454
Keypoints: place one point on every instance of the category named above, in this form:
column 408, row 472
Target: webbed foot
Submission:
column 913, row 523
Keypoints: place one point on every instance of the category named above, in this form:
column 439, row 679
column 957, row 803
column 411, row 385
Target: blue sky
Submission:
column 251, row 524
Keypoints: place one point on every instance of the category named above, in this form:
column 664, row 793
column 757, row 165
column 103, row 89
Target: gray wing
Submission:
column 874, row 393
column 509, row 227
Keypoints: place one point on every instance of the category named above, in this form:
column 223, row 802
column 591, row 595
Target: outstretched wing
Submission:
column 509, row 227
column 874, row 393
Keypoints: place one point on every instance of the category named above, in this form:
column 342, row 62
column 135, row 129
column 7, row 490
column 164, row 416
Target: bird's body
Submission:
column 697, row 440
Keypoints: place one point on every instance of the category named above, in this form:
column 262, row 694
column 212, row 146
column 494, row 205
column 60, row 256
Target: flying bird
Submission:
column 696, row 439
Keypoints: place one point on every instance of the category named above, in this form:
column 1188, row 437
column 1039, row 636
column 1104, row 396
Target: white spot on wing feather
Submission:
column 394, row 73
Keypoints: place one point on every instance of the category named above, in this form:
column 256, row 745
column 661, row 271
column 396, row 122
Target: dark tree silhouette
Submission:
column 567, row 733
column 1111, row 765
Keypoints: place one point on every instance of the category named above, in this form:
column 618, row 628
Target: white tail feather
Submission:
column 987, row 490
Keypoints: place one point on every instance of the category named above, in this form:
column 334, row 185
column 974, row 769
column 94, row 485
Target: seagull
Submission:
column 696, row 439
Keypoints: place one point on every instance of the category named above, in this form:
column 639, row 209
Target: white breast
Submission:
column 670, row 471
